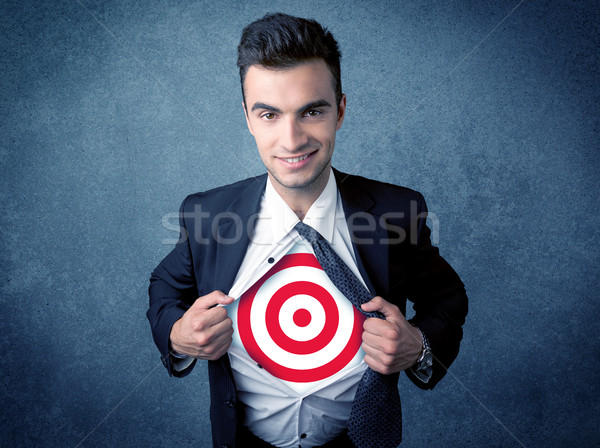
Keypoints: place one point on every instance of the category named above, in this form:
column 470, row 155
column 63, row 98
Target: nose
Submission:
column 292, row 136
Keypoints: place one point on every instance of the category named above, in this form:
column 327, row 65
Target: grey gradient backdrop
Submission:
column 113, row 111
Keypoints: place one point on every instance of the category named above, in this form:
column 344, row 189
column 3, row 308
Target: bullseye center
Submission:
column 302, row 317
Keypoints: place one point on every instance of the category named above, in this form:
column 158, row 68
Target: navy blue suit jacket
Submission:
column 393, row 251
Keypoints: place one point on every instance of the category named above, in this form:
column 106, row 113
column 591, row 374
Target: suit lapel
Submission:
column 366, row 232
column 234, row 233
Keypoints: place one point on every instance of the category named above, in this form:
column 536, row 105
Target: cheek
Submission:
column 264, row 142
column 327, row 138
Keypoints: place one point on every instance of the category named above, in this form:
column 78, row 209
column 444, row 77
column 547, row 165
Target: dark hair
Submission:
column 283, row 41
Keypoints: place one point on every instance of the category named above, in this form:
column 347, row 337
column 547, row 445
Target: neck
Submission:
column 300, row 199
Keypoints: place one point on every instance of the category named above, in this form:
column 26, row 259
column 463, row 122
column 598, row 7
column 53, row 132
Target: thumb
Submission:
column 210, row 300
column 377, row 303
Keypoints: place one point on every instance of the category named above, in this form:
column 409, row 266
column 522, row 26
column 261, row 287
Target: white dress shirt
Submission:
column 282, row 413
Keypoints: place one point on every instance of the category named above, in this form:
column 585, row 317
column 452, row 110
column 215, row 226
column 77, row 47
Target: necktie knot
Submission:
column 307, row 232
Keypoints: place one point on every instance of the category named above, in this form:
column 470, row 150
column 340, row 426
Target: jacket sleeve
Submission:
column 171, row 292
column 439, row 297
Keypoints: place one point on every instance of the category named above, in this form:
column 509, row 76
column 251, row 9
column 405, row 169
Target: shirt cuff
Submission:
column 180, row 362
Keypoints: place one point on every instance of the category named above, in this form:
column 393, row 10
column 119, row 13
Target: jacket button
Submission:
column 229, row 403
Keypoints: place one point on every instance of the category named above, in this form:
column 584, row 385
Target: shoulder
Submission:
column 380, row 192
column 221, row 198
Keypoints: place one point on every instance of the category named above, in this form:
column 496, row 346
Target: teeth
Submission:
column 296, row 159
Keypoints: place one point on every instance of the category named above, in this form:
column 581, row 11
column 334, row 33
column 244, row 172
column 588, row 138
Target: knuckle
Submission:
column 390, row 348
column 385, row 370
column 366, row 349
column 390, row 334
column 371, row 323
column 386, row 349
column 387, row 360
column 214, row 352
column 209, row 352
column 379, row 367
column 197, row 324
column 202, row 340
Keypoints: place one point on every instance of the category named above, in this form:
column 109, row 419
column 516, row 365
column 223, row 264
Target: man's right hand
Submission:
column 204, row 331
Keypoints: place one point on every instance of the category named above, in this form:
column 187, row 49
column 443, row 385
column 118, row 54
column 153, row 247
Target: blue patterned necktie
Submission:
column 376, row 418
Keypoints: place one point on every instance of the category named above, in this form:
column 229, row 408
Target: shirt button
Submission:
column 303, row 436
column 271, row 260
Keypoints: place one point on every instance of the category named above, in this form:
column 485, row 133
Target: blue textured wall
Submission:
column 112, row 112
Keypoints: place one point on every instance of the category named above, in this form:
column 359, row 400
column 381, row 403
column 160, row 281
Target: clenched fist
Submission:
column 205, row 330
column 390, row 345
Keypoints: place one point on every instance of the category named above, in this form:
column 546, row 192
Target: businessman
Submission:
column 312, row 367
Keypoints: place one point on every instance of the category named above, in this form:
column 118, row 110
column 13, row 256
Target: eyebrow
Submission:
column 311, row 105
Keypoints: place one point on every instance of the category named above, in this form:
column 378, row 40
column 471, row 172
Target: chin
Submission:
column 294, row 183
column 299, row 180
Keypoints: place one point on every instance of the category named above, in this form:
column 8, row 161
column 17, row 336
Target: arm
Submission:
column 440, row 300
column 440, row 303
column 180, row 321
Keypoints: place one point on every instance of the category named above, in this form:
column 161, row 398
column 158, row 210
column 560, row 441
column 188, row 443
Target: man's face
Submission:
column 293, row 116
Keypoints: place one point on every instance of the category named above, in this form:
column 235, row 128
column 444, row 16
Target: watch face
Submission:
column 427, row 360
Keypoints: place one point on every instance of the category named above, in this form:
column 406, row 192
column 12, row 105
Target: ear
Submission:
column 341, row 112
column 247, row 118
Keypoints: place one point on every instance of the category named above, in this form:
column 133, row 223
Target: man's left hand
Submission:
column 390, row 345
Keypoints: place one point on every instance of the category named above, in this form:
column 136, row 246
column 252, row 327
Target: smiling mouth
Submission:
column 297, row 159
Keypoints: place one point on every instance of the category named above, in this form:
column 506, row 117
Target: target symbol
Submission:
column 296, row 324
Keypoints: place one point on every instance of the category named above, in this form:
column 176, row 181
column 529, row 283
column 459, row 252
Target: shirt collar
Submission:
column 321, row 215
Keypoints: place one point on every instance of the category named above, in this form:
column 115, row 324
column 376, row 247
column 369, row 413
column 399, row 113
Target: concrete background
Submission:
column 112, row 112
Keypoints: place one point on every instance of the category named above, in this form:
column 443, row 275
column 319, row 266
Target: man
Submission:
column 235, row 239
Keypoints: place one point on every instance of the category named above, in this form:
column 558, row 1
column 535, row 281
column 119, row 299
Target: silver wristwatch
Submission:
column 422, row 369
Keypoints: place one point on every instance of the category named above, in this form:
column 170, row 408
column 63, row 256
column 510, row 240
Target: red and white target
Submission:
column 296, row 324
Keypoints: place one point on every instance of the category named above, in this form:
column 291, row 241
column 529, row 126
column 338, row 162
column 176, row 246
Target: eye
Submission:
column 313, row 113
column 268, row 116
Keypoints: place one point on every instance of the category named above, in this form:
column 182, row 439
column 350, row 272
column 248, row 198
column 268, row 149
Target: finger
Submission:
column 375, row 304
column 378, row 366
column 372, row 340
column 387, row 329
column 219, row 351
column 224, row 327
column 389, row 310
column 205, row 319
column 210, row 300
column 382, row 361
column 372, row 363
column 218, row 345
column 213, row 336
column 387, row 344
